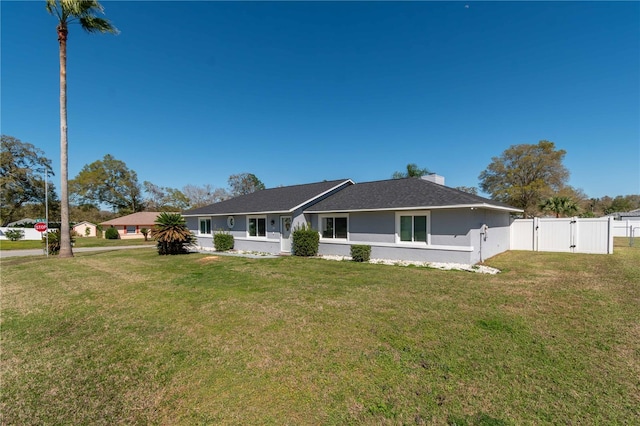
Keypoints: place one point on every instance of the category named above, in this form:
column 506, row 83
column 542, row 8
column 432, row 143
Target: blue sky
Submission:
column 298, row 92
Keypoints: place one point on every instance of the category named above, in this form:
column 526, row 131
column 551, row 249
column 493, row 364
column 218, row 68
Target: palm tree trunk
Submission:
column 65, row 236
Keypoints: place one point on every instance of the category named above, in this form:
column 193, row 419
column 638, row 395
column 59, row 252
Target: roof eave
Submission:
column 453, row 206
column 239, row 213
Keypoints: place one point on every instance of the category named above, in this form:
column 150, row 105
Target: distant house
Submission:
column 416, row 219
column 631, row 215
column 82, row 227
column 129, row 226
column 22, row 222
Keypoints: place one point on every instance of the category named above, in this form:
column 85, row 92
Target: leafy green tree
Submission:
column 621, row 204
column 412, row 171
column 560, row 206
column 161, row 198
column 468, row 189
column 36, row 208
column 109, row 181
column 22, row 181
column 244, row 183
column 524, row 174
column 83, row 12
column 89, row 212
column 171, row 232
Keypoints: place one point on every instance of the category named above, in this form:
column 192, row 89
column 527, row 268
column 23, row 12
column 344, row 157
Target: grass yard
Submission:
column 130, row 337
column 80, row 242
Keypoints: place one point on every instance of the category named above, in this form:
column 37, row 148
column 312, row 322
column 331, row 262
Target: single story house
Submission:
column 263, row 220
column 22, row 222
column 85, row 229
column 129, row 226
column 417, row 219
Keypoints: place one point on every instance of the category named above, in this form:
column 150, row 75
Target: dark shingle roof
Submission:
column 282, row 199
column 401, row 194
column 632, row 213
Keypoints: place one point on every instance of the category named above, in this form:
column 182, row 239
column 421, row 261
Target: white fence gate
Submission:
column 572, row 235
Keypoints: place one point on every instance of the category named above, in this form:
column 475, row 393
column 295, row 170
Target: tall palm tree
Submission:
column 83, row 12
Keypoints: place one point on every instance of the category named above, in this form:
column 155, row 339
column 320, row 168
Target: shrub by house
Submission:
column 306, row 241
column 223, row 241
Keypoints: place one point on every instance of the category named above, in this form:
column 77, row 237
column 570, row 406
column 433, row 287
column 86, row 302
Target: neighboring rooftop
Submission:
column 633, row 213
column 140, row 218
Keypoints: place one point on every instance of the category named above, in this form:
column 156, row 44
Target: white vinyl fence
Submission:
column 626, row 228
column 572, row 235
column 29, row 233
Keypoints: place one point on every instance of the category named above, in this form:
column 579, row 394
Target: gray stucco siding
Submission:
column 424, row 254
column 374, row 227
column 259, row 245
column 268, row 244
column 455, row 236
column 192, row 224
column 450, row 227
column 204, row 241
column 413, row 254
column 498, row 235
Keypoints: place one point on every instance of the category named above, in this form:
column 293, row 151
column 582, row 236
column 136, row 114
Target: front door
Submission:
column 285, row 234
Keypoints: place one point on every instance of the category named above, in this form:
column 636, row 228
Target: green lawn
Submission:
column 130, row 337
column 80, row 242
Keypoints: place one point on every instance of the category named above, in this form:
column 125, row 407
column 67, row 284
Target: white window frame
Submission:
column 321, row 219
column 204, row 219
column 413, row 214
column 257, row 217
column 135, row 229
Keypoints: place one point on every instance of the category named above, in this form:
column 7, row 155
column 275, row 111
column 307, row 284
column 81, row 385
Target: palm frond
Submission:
column 172, row 234
column 93, row 24
column 52, row 7
column 81, row 7
column 84, row 11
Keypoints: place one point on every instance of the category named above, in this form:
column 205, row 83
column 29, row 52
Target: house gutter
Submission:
column 455, row 206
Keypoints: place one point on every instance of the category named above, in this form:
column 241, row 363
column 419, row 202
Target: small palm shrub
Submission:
column 111, row 234
column 54, row 241
column 223, row 241
column 145, row 232
column 360, row 253
column 306, row 241
column 14, row 234
column 171, row 233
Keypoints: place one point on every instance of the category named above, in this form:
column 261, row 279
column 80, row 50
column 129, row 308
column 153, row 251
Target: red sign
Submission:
column 40, row 226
